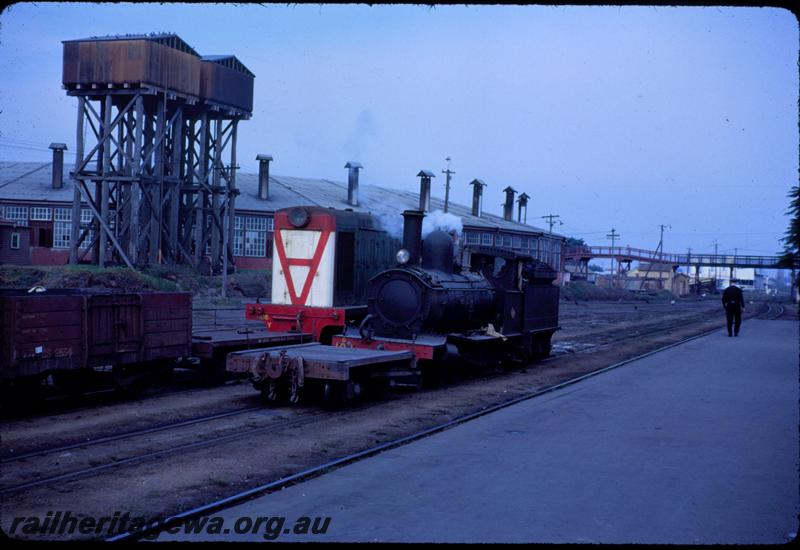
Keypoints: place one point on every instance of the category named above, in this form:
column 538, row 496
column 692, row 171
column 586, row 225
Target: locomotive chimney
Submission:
column 425, row 189
column 412, row 234
column 352, row 182
column 522, row 201
column 477, row 197
column 508, row 208
column 263, row 176
column 58, row 164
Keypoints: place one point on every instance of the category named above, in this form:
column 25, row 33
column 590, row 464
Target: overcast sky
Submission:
column 623, row 117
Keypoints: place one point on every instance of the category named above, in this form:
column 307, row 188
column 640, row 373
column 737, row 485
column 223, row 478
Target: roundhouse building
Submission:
column 39, row 204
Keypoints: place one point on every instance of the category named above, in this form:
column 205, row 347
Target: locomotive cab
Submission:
column 322, row 260
column 526, row 298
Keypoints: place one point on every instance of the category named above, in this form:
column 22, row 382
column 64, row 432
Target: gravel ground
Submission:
column 265, row 444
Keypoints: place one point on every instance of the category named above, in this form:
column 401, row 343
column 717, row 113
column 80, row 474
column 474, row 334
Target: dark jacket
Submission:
column 733, row 296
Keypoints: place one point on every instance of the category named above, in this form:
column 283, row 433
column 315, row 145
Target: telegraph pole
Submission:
column 716, row 265
column 613, row 236
column 696, row 271
column 661, row 241
column 551, row 220
column 689, row 261
column 448, row 172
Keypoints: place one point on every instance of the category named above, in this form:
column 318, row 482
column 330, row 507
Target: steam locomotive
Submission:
column 491, row 307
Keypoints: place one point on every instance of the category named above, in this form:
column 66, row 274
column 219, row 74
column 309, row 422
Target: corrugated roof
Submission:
column 32, row 181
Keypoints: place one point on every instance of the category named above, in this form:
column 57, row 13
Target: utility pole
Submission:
column 696, row 271
column 689, row 261
column 716, row 266
column 226, row 236
column 613, row 236
column 448, row 172
column 551, row 220
column 661, row 240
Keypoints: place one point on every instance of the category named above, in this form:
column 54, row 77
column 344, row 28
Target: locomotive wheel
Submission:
column 214, row 372
column 127, row 380
column 334, row 395
column 542, row 347
column 434, row 374
column 20, row 394
column 73, row 382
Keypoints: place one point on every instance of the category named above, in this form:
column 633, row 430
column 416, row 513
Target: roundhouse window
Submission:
column 41, row 213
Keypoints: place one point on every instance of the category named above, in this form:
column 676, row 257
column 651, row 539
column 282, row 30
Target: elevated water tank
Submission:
column 159, row 60
column 224, row 79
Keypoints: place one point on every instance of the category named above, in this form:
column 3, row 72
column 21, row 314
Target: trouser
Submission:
column 733, row 314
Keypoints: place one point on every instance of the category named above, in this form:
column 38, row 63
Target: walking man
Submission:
column 733, row 302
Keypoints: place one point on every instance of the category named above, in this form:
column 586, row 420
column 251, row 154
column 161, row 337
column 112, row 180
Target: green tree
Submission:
column 791, row 242
column 571, row 241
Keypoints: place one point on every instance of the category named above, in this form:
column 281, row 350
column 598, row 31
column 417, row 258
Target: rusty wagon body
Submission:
column 67, row 330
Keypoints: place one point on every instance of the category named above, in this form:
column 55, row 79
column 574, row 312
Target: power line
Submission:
column 551, row 220
column 42, row 150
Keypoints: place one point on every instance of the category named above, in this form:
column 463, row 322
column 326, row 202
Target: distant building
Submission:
column 657, row 276
column 15, row 244
column 744, row 277
column 29, row 199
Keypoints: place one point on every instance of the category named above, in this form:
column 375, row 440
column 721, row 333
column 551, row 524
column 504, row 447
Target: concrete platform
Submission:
column 697, row 444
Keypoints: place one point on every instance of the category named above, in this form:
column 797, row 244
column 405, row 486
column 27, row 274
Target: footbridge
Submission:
column 626, row 254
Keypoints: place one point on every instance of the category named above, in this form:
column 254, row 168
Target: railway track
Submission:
column 66, row 403
column 772, row 311
column 114, row 462
column 616, row 336
column 83, row 444
column 321, row 469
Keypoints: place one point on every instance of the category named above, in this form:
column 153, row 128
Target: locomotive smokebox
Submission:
column 412, row 234
column 437, row 252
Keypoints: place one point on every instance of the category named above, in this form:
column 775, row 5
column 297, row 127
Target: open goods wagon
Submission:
column 71, row 331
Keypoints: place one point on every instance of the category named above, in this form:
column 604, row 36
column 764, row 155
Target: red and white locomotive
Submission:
column 322, row 261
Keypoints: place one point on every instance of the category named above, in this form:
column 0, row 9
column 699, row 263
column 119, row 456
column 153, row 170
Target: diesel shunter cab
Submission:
column 322, row 260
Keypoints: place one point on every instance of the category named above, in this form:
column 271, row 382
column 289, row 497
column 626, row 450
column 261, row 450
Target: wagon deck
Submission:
column 207, row 344
column 320, row 362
